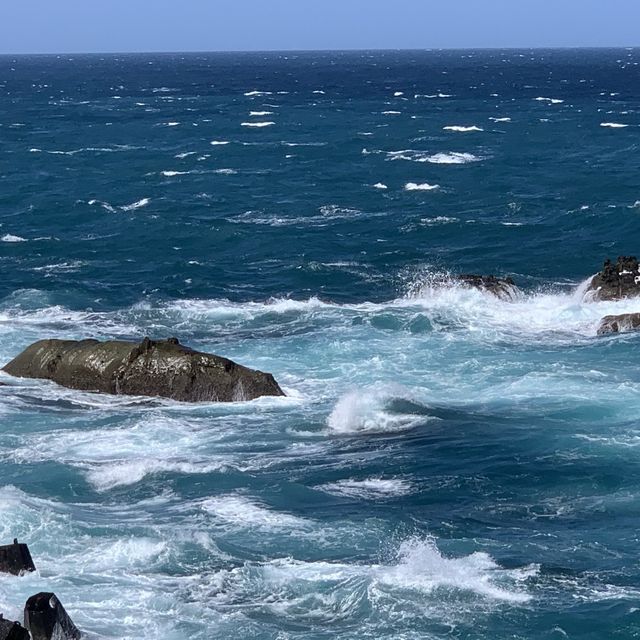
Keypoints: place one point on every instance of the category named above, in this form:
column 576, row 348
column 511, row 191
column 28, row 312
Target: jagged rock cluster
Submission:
column 44, row 616
column 617, row 281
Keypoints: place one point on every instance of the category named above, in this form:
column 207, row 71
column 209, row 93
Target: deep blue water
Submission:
column 446, row 464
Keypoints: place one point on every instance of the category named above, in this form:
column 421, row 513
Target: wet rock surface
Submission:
column 12, row 630
column 162, row 368
column 46, row 619
column 16, row 559
column 616, row 280
column 619, row 324
column 503, row 288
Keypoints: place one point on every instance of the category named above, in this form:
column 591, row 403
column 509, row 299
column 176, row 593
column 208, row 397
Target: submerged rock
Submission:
column 12, row 630
column 16, row 559
column 162, row 368
column 619, row 324
column 46, row 619
column 503, row 288
column 616, row 281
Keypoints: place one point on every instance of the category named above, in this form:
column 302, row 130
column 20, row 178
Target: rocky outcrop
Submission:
column 616, row 280
column 151, row 368
column 46, row 619
column 503, row 288
column 619, row 324
column 12, row 630
column 16, row 559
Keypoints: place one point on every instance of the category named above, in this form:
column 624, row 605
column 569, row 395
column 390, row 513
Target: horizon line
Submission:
column 339, row 50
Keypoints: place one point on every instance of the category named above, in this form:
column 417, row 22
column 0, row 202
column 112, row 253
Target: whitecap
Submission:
column 257, row 124
column 462, row 129
column 218, row 143
column 260, row 113
column 549, row 100
column 419, row 575
column 613, row 125
column 425, row 186
column 500, row 119
column 453, row 157
column 110, row 475
column 104, row 205
column 171, row 174
column 373, row 410
column 258, row 93
column 397, row 94
column 136, row 205
column 380, row 185
column 423, row 567
column 8, row 237
column 430, row 222
column 368, row 489
column 391, row 113
column 243, row 512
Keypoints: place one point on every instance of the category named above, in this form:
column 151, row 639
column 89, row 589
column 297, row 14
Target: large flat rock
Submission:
column 151, row 368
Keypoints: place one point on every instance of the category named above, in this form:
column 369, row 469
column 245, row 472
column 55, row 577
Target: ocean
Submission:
column 446, row 464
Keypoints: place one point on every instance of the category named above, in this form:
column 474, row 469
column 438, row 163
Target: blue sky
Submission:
column 61, row 26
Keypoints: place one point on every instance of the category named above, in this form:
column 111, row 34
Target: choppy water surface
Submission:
column 445, row 464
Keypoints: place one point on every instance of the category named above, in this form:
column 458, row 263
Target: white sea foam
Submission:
column 462, row 129
column 549, row 100
column 425, row 186
column 136, row 205
column 391, row 113
column 171, row 174
column 104, row 205
column 185, row 154
column 369, row 489
column 257, row 124
column 423, row 567
column 419, row 575
column 260, row 113
column 500, row 119
column 397, row 94
column 219, row 143
column 170, row 124
column 613, row 125
column 372, row 410
column 107, row 476
column 429, row 222
column 8, row 237
column 243, row 512
column 380, row 185
column 258, row 93
column 452, row 157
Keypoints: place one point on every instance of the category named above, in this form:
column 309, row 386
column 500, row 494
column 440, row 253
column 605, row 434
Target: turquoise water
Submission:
column 445, row 464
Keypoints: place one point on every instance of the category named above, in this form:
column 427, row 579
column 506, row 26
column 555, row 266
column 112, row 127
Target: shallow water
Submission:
column 445, row 463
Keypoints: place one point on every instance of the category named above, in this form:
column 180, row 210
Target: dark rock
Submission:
column 152, row 368
column 619, row 324
column 12, row 630
column 16, row 559
column 616, row 281
column 46, row 619
column 503, row 288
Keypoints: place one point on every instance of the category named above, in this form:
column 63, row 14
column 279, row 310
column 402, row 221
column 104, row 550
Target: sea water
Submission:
column 445, row 463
